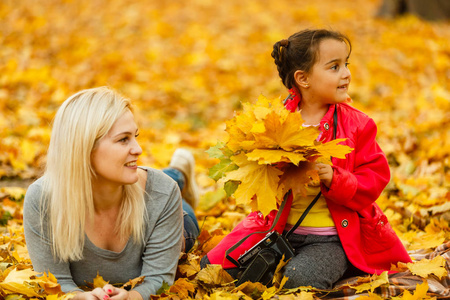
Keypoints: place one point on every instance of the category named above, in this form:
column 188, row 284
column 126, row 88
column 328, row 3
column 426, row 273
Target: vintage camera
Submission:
column 272, row 240
column 260, row 261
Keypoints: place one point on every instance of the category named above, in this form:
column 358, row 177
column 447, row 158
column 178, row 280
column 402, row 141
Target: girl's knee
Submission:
column 297, row 279
column 319, row 276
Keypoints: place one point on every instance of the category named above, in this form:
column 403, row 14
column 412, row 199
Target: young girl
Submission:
column 96, row 212
column 345, row 228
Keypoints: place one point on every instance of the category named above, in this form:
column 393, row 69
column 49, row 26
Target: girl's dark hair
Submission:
column 300, row 52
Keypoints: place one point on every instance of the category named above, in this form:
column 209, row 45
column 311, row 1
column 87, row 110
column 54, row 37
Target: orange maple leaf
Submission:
column 182, row 287
column 296, row 178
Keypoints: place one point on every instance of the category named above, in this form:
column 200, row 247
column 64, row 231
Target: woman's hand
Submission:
column 95, row 294
column 325, row 174
column 121, row 294
column 108, row 292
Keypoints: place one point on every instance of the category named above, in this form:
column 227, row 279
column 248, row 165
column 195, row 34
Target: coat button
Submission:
column 326, row 126
column 344, row 223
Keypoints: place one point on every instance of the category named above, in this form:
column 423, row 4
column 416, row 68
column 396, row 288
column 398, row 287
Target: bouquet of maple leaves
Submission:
column 268, row 153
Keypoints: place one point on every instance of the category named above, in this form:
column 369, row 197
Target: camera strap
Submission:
column 280, row 211
column 303, row 216
column 275, row 221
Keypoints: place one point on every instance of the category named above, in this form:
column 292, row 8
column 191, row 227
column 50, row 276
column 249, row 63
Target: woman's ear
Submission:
column 301, row 79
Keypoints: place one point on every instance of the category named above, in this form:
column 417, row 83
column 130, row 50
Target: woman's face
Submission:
column 115, row 155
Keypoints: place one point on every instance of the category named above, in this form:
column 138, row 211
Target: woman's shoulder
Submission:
column 161, row 192
column 158, row 182
column 33, row 195
column 34, row 190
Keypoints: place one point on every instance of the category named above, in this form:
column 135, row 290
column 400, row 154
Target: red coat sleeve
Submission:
column 360, row 185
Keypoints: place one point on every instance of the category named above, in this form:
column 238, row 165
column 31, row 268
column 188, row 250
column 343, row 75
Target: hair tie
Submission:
column 284, row 43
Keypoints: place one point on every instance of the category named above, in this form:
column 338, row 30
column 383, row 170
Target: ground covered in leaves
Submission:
column 188, row 66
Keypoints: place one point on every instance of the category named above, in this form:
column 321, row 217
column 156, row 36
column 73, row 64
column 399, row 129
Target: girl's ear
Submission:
column 301, row 78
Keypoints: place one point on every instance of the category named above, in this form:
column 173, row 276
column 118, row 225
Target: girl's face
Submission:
column 330, row 77
column 115, row 156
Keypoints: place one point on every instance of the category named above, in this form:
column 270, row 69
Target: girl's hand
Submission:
column 325, row 174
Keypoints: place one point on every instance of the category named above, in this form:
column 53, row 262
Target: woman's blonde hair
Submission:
column 80, row 122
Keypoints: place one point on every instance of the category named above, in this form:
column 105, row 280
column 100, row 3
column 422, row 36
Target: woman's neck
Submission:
column 312, row 113
column 107, row 197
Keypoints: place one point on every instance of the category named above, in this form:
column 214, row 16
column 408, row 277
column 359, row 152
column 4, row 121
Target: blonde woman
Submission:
column 95, row 211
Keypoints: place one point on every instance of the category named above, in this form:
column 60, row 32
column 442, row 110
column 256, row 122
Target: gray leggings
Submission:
column 319, row 261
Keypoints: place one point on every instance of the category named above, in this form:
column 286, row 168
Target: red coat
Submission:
column 365, row 233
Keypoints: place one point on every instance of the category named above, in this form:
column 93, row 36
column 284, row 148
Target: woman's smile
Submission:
column 119, row 145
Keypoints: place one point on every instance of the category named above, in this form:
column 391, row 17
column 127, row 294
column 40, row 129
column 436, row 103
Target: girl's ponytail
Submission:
column 279, row 54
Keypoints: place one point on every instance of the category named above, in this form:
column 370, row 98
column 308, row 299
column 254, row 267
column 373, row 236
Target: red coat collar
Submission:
column 326, row 124
column 293, row 100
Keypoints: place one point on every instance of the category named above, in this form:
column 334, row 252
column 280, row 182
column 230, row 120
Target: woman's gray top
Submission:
column 156, row 259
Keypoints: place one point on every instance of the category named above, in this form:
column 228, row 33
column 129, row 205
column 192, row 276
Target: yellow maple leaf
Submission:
column 264, row 106
column 19, row 282
column 258, row 127
column 303, row 295
column 271, row 156
column 192, row 265
column 286, row 135
column 375, row 281
column 278, row 279
column 214, row 275
column 66, row 296
column 259, row 180
column 427, row 240
column 235, row 136
column 267, row 124
column 245, row 122
column 269, row 293
column 332, row 148
column 425, row 267
column 249, row 287
column 436, row 226
column 189, row 269
column 372, row 296
column 261, row 107
column 223, row 295
column 99, row 282
column 419, row 294
column 22, row 253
